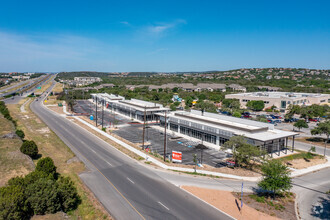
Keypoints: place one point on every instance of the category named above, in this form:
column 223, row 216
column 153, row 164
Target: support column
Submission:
column 217, row 141
column 293, row 143
column 286, row 145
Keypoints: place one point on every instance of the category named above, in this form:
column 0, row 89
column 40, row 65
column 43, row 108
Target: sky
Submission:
column 163, row 36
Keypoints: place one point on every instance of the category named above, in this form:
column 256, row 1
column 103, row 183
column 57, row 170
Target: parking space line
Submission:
column 163, row 205
column 130, row 180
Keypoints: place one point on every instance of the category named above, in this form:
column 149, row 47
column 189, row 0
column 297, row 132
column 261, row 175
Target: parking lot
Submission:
column 154, row 137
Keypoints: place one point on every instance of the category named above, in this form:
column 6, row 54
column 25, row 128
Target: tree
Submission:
column 243, row 152
column 29, row 148
column 233, row 104
column 12, row 203
column 188, row 102
column 237, row 114
column 43, row 196
column 276, row 177
column 20, row 133
column 322, row 128
column 46, row 165
column 172, row 107
column 69, row 198
column 256, row 105
column 300, row 124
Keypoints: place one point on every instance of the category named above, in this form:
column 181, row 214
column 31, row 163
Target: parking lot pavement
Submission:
column 87, row 108
column 154, row 138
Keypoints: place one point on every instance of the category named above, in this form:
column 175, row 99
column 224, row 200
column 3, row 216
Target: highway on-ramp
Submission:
column 127, row 189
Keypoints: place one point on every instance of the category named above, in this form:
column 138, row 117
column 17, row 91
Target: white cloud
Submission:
column 125, row 23
column 49, row 52
column 161, row 28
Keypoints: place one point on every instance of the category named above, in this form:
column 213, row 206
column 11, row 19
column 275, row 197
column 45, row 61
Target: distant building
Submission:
column 237, row 87
column 82, row 81
column 281, row 99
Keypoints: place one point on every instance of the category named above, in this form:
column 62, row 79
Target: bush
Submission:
column 69, row 198
column 12, row 203
column 46, row 165
column 43, row 196
column 29, row 148
column 20, row 134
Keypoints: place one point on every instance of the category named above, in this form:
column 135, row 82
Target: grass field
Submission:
column 50, row 145
column 51, row 100
column 12, row 161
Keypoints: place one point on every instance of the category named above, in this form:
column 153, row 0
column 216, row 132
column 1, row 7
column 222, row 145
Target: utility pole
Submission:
column 144, row 127
column 165, row 136
column 96, row 110
column 102, row 112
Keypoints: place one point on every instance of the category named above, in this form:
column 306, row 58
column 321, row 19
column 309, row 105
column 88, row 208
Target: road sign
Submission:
column 177, row 156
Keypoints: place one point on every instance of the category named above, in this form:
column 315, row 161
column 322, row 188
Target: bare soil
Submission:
column 283, row 207
column 302, row 163
column 228, row 203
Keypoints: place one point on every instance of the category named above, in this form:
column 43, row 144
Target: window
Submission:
column 283, row 104
column 323, row 100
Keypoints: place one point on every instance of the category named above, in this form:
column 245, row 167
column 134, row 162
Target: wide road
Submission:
column 127, row 189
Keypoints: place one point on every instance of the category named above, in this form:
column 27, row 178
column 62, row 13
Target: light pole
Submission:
column 165, row 136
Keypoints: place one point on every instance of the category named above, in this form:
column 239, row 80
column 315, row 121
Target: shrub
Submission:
column 46, row 165
column 20, row 134
column 69, row 197
column 29, row 148
column 43, row 196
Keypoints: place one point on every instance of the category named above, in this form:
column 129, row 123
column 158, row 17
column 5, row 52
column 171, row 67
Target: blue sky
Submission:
column 69, row 35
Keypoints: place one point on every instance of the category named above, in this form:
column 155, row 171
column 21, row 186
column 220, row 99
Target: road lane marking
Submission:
column 130, row 180
column 109, row 163
column 93, row 150
column 163, row 205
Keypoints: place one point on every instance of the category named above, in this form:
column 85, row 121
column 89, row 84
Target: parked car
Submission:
column 314, row 119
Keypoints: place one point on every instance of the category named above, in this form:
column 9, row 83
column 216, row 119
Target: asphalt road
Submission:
column 15, row 99
column 313, row 202
column 127, row 189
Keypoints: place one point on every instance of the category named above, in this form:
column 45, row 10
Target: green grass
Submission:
column 195, row 173
column 300, row 155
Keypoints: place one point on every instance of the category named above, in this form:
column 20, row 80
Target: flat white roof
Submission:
column 290, row 95
column 248, row 128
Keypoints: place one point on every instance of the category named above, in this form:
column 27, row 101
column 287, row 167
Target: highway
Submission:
column 15, row 99
column 127, row 189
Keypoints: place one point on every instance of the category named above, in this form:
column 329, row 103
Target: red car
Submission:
column 313, row 119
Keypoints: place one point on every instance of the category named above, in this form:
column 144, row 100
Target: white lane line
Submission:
column 163, row 205
column 93, row 150
column 109, row 163
column 130, row 180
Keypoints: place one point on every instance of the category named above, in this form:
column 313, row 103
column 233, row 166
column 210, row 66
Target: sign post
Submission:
column 242, row 197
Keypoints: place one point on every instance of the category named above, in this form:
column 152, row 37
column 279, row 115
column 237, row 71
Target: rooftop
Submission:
column 281, row 94
column 238, row 126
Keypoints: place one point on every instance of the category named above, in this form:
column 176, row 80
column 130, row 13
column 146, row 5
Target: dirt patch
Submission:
column 56, row 216
column 302, row 163
column 282, row 207
column 73, row 160
column 226, row 202
column 56, row 109
column 44, row 130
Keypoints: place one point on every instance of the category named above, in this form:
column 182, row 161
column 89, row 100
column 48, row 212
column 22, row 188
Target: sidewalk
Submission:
column 164, row 166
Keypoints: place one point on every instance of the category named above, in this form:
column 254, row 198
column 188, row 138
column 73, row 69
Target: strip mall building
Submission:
column 213, row 129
